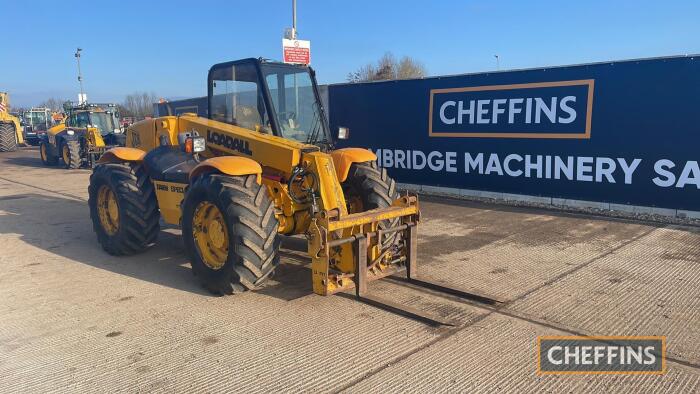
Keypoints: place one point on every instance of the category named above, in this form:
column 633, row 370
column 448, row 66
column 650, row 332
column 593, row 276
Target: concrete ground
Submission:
column 73, row 318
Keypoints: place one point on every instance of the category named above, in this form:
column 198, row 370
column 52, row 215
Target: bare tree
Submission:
column 54, row 104
column 139, row 104
column 123, row 111
column 410, row 68
column 388, row 67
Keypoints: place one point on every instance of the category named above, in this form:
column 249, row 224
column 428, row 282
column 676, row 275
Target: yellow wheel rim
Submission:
column 66, row 154
column 108, row 210
column 210, row 234
column 42, row 152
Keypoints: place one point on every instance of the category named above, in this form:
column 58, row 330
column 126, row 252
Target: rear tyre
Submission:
column 70, row 152
column 369, row 187
column 230, row 232
column 123, row 208
column 8, row 138
column 48, row 156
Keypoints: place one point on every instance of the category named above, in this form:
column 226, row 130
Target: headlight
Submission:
column 343, row 133
column 70, row 132
column 117, row 131
column 199, row 144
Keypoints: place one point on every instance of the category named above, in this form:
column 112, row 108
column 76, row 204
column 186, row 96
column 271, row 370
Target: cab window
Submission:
column 82, row 119
column 237, row 99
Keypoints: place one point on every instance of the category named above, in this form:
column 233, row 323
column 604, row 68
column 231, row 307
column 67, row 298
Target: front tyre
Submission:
column 370, row 187
column 123, row 208
column 70, row 152
column 48, row 157
column 230, row 232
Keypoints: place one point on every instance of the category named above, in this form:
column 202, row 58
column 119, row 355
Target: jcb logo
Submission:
column 227, row 141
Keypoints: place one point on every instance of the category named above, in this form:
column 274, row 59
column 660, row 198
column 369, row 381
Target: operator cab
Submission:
column 104, row 117
column 37, row 119
column 269, row 97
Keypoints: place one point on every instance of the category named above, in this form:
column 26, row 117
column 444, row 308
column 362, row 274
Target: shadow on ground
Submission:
column 33, row 162
column 20, row 158
column 62, row 226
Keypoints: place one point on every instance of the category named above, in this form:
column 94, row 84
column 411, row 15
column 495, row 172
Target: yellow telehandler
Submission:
column 262, row 164
column 83, row 136
column 10, row 129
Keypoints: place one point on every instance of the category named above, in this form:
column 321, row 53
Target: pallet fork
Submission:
column 368, row 268
column 411, row 269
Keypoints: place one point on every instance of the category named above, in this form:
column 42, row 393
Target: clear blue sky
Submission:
column 166, row 47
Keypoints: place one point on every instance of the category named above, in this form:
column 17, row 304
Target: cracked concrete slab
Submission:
column 75, row 319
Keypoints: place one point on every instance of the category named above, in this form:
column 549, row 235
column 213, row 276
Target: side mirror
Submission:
column 343, row 133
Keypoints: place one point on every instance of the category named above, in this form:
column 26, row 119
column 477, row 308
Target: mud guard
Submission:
column 229, row 165
column 344, row 158
column 122, row 154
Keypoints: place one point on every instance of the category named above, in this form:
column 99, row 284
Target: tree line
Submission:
column 137, row 105
column 388, row 67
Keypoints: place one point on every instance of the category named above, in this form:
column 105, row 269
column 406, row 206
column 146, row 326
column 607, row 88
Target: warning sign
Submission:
column 296, row 51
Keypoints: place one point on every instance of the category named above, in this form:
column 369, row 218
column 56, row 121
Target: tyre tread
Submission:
column 254, row 239
column 74, row 153
column 139, row 214
column 375, row 188
column 8, row 137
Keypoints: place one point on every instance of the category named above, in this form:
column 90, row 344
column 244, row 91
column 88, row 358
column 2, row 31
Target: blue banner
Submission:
column 621, row 132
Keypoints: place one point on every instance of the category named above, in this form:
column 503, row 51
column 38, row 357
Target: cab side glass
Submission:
column 237, row 97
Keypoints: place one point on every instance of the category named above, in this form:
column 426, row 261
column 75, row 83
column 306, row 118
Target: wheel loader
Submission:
column 87, row 132
column 10, row 128
column 262, row 165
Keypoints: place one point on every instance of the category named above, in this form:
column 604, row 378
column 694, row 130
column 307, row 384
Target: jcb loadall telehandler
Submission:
column 88, row 131
column 262, row 164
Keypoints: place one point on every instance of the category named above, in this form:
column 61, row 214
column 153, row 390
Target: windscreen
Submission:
column 103, row 121
column 36, row 119
column 296, row 106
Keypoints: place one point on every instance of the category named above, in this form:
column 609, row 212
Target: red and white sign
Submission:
column 296, row 51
